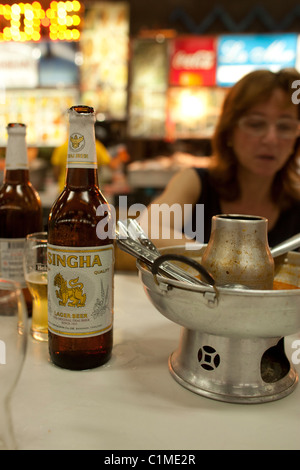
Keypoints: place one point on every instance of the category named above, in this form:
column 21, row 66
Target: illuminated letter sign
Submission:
column 30, row 22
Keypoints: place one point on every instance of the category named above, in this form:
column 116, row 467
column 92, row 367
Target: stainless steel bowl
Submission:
column 234, row 312
column 241, row 325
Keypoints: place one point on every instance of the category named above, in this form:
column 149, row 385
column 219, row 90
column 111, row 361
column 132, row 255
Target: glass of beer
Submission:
column 35, row 270
column 13, row 343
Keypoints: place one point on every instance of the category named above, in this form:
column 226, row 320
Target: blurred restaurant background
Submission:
column 155, row 72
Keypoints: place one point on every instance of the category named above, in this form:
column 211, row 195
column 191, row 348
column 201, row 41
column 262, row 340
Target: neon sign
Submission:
column 30, row 22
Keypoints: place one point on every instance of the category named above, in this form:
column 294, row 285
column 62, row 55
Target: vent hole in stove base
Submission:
column 234, row 370
column 274, row 363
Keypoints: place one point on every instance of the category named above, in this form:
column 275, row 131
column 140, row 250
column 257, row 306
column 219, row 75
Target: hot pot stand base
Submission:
column 231, row 348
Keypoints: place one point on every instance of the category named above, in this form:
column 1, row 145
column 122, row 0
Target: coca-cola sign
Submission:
column 199, row 60
column 193, row 61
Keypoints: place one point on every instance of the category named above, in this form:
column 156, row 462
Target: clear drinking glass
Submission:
column 35, row 271
column 13, row 342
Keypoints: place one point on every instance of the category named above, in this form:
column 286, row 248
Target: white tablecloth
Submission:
column 133, row 402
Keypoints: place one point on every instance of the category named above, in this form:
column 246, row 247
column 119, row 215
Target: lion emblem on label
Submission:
column 71, row 296
column 77, row 141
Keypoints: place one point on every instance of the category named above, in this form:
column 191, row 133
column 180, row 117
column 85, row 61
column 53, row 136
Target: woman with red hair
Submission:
column 255, row 167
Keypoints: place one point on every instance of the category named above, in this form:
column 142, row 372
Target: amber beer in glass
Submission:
column 20, row 209
column 80, row 263
column 37, row 284
column 35, row 271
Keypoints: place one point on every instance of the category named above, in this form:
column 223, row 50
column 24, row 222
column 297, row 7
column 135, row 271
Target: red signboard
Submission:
column 193, row 61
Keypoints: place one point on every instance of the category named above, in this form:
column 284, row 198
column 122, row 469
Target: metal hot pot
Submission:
column 232, row 339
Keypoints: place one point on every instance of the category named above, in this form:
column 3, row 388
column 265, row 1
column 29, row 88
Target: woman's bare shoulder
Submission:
column 183, row 188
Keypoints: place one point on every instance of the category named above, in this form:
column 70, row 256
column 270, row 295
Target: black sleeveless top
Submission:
column 287, row 225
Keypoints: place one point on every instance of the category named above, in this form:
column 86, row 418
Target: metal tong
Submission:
column 132, row 239
column 288, row 245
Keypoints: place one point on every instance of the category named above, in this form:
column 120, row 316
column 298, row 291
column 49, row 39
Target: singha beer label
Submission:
column 81, row 147
column 80, row 290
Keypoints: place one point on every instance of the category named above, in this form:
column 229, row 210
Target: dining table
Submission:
column 132, row 403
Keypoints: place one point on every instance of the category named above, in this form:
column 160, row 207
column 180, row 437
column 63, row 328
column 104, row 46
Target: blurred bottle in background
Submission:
column 20, row 209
